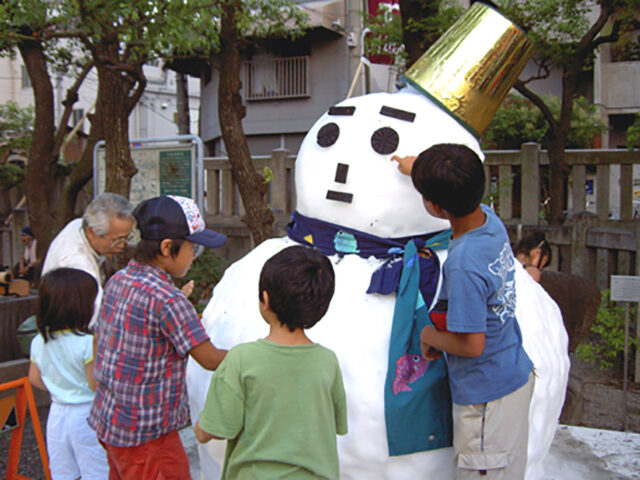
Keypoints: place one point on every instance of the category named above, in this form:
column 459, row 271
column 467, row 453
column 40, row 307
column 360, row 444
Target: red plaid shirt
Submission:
column 145, row 329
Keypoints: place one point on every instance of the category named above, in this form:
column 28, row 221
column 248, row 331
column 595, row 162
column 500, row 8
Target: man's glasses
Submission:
column 120, row 241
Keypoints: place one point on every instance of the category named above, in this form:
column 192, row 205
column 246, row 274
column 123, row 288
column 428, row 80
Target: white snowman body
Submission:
column 367, row 193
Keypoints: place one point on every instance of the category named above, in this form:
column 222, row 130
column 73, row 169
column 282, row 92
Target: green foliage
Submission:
column 518, row 121
column 554, row 26
column 143, row 29
column 607, row 346
column 633, row 134
column 627, row 48
column 434, row 26
column 586, row 122
column 385, row 34
column 16, row 128
column 10, row 175
column 206, row 271
column 385, row 37
column 267, row 173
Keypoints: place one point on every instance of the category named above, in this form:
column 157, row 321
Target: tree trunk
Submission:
column 40, row 173
column 111, row 107
column 82, row 172
column 556, row 141
column 259, row 219
column 182, row 103
column 557, row 174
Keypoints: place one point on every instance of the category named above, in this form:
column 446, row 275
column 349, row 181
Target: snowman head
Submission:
column 344, row 171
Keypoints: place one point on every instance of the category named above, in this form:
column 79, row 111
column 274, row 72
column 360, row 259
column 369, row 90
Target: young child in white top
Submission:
column 62, row 363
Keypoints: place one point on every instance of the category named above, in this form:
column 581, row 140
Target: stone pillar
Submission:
column 580, row 263
column 530, row 183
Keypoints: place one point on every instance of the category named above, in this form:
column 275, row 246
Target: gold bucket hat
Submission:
column 472, row 67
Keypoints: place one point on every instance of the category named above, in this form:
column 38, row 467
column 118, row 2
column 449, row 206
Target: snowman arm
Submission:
column 461, row 344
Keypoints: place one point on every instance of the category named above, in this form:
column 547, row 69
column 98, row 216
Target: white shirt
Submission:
column 71, row 249
column 62, row 363
column 30, row 253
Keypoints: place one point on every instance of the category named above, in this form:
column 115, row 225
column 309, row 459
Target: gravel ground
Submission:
column 29, row 465
column 603, row 398
column 602, row 410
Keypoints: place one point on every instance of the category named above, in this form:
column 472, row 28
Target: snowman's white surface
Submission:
column 357, row 325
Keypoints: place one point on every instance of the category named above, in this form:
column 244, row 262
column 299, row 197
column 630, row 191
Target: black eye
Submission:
column 385, row 140
column 328, row 135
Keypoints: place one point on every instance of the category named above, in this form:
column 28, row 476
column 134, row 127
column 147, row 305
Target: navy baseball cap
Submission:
column 171, row 216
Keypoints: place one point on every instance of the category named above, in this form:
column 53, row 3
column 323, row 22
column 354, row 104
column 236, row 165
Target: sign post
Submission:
column 625, row 288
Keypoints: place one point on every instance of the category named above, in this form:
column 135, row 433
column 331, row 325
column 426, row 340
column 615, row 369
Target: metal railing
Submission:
column 274, row 78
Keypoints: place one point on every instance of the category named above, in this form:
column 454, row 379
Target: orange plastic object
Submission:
column 24, row 398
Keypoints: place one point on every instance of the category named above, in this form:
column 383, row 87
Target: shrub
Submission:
column 518, row 121
column 206, row 271
column 606, row 348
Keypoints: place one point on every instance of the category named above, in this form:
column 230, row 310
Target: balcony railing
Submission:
column 274, row 78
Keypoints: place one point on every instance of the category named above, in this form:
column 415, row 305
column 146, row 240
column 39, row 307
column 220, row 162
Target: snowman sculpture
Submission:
column 352, row 201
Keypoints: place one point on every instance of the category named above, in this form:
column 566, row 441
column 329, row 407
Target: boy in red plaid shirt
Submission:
column 145, row 331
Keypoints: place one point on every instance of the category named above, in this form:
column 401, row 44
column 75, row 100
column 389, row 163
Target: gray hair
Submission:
column 102, row 209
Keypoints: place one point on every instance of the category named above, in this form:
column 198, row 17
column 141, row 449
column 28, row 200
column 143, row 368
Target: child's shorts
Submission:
column 490, row 439
column 163, row 458
column 74, row 450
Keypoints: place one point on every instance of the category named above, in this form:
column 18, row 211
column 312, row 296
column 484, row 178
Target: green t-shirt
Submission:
column 280, row 407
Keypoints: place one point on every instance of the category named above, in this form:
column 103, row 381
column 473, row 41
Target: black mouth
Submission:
column 339, row 196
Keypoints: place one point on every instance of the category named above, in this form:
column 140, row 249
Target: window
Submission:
column 267, row 77
column 26, row 80
column 77, row 116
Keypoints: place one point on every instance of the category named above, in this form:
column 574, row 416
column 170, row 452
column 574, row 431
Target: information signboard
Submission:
column 625, row 288
column 168, row 169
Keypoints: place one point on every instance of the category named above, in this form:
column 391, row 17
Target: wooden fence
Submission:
column 589, row 244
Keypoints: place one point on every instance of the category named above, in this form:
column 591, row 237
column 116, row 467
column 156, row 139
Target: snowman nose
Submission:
column 341, row 173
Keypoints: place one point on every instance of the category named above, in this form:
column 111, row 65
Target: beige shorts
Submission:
column 490, row 439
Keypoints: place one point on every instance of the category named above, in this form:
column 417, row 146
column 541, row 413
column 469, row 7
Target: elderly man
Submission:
column 104, row 229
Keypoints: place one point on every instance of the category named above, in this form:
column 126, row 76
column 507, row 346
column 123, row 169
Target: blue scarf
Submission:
column 417, row 397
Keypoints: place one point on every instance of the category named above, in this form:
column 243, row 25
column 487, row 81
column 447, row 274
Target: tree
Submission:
column 566, row 41
column 633, row 134
column 117, row 38
column 16, row 128
column 23, row 23
column 518, row 121
column 237, row 17
column 409, row 35
column 423, row 22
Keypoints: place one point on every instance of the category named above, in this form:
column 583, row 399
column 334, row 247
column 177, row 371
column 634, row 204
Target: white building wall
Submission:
column 153, row 116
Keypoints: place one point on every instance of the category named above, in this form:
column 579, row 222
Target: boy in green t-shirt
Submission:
column 280, row 401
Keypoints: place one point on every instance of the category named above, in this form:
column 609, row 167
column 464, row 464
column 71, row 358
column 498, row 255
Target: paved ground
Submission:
column 578, row 453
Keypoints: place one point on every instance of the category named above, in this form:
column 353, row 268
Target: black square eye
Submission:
column 385, row 140
column 328, row 135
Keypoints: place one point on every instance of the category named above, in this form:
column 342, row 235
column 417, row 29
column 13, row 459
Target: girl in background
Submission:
column 62, row 363
column 534, row 253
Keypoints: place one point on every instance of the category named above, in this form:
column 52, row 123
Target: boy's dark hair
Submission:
column 147, row 250
column 535, row 239
column 300, row 282
column 450, row 176
column 67, row 297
